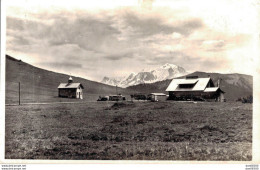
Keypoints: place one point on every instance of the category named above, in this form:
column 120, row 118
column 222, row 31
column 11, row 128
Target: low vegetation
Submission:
column 130, row 131
column 247, row 99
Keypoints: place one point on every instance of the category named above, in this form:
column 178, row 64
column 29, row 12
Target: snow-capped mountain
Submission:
column 112, row 81
column 167, row 71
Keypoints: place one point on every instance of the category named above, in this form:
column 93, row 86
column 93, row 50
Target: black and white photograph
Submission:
column 131, row 80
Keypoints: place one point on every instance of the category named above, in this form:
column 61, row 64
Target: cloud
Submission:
column 18, row 40
column 147, row 4
column 213, row 45
column 222, row 42
column 62, row 65
column 119, row 56
column 89, row 33
column 85, row 40
column 99, row 33
column 147, row 26
column 15, row 23
column 187, row 27
column 176, row 57
column 28, row 28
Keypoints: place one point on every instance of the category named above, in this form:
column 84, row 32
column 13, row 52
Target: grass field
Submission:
column 130, row 131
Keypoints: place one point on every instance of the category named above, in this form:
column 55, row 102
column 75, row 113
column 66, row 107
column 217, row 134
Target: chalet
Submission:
column 71, row 90
column 193, row 87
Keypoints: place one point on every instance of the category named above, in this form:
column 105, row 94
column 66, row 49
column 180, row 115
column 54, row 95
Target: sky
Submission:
column 93, row 39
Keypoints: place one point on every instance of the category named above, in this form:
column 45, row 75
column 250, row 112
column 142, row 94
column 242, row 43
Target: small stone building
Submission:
column 157, row 97
column 71, row 90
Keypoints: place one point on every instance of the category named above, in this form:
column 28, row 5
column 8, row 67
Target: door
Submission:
column 80, row 95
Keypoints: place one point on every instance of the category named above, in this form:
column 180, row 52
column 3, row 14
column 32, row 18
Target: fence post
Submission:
column 19, row 94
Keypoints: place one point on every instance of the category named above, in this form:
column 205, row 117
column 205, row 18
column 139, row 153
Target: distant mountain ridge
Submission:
column 167, row 71
column 234, row 85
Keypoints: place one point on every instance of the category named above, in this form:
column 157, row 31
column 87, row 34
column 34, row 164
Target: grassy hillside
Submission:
column 39, row 85
column 130, row 131
column 234, row 85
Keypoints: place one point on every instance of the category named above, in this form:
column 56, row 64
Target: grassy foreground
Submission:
column 130, row 131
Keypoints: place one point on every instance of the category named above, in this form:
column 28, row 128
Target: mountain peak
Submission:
column 168, row 65
column 151, row 75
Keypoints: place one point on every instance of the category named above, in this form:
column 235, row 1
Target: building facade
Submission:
column 70, row 90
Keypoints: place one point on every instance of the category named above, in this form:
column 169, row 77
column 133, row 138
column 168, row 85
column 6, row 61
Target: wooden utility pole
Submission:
column 116, row 95
column 19, row 94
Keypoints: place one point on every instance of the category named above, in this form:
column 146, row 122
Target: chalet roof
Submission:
column 70, row 86
column 200, row 84
column 188, row 81
column 213, row 89
column 158, row 94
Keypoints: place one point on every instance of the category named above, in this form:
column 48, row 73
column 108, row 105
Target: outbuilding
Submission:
column 157, row 97
column 71, row 90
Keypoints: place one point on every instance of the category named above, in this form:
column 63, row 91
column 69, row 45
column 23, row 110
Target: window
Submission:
column 186, row 86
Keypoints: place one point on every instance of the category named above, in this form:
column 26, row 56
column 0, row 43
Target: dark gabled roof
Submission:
column 70, row 86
